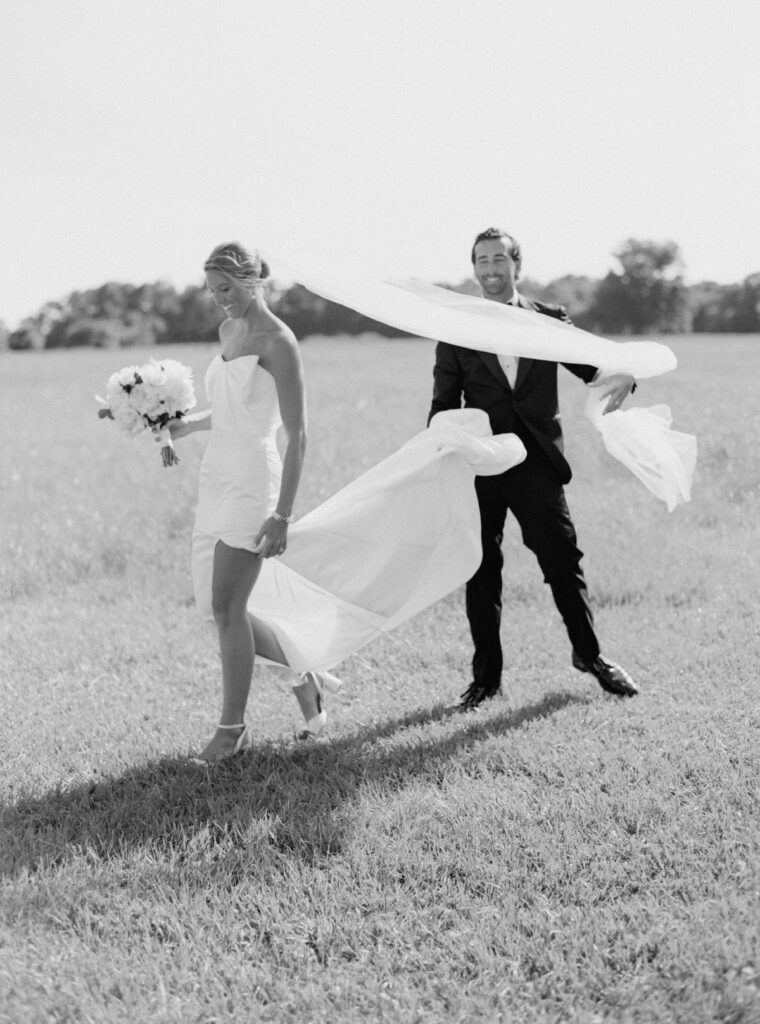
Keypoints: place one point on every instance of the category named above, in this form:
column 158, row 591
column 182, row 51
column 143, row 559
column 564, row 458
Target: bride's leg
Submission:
column 235, row 572
column 268, row 646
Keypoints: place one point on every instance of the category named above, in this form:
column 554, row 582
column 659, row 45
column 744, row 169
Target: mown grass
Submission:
column 560, row 856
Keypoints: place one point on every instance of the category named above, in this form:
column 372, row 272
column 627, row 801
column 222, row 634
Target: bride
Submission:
column 246, row 491
column 391, row 543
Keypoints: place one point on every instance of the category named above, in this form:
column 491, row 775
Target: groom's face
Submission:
column 495, row 270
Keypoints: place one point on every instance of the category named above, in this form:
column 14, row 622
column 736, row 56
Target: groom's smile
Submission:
column 495, row 269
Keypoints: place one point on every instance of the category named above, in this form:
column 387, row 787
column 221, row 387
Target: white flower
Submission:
column 143, row 396
column 176, row 386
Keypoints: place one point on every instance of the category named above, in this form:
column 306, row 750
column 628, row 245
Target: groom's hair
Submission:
column 514, row 248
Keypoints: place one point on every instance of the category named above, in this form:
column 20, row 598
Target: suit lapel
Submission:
column 523, row 364
column 493, row 364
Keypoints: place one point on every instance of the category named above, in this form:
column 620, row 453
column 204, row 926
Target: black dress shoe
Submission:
column 611, row 677
column 475, row 694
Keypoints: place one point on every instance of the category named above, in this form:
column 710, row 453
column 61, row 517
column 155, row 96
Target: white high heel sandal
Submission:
column 240, row 744
column 322, row 681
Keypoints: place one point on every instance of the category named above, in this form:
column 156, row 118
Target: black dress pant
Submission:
column 535, row 497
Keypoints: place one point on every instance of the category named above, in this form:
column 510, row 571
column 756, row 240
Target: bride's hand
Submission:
column 272, row 538
column 178, row 428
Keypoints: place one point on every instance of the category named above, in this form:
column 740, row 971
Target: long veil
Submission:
column 642, row 439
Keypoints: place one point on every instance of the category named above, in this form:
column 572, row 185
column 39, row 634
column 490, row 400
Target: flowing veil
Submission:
column 662, row 459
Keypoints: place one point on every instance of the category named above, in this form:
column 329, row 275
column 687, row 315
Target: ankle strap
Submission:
column 240, row 725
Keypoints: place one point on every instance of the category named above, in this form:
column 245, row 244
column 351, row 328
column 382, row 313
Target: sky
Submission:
column 380, row 135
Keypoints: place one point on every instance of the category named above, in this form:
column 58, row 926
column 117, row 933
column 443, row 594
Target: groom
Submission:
column 520, row 397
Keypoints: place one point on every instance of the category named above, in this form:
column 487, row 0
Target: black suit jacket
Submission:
column 531, row 411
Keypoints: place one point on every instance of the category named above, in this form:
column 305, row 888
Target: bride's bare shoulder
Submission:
column 280, row 325
column 280, row 352
column 278, row 333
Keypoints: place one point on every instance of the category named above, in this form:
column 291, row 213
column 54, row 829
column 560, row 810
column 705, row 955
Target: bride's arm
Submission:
column 283, row 361
column 189, row 424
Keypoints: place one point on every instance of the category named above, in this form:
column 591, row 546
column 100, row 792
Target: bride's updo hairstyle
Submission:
column 236, row 261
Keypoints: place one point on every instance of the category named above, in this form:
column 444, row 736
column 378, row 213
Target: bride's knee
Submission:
column 227, row 611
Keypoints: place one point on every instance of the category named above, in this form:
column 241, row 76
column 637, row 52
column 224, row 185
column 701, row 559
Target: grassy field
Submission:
column 560, row 856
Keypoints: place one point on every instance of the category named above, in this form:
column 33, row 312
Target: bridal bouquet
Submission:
column 142, row 397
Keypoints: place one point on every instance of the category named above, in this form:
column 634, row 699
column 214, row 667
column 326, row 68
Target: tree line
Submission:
column 646, row 294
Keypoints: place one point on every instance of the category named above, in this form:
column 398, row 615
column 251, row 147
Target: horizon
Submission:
column 283, row 282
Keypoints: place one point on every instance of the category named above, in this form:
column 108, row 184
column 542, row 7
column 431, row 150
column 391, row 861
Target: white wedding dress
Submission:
column 239, row 480
column 397, row 539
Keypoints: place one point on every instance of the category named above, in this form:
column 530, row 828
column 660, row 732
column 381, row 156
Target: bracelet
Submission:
column 281, row 519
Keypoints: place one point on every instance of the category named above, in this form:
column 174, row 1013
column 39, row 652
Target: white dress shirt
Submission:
column 509, row 363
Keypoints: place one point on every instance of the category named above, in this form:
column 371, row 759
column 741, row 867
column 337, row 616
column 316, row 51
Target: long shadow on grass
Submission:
column 288, row 797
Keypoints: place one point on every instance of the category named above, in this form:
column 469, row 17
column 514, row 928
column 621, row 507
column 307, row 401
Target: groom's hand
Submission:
column 615, row 387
